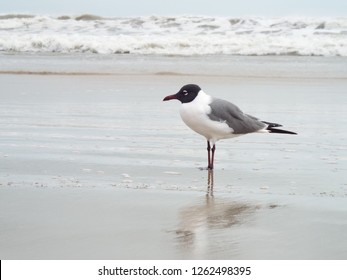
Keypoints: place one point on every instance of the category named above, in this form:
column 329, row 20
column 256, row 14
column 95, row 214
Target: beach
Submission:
column 95, row 166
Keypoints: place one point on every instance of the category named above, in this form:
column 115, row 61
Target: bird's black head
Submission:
column 186, row 94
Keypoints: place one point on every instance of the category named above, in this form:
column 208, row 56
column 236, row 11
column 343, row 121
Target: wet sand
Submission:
column 96, row 166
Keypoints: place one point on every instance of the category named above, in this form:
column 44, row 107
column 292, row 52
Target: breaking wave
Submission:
column 181, row 35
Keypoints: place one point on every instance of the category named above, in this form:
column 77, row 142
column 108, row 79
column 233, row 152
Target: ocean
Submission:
column 177, row 35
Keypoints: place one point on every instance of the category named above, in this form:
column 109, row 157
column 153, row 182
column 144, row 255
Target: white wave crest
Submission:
column 185, row 35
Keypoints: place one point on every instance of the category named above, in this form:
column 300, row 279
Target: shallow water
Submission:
column 75, row 148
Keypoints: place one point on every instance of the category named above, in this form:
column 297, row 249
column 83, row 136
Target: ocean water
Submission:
column 181, row 35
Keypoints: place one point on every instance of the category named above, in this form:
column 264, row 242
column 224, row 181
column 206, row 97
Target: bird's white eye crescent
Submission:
column 185, row 92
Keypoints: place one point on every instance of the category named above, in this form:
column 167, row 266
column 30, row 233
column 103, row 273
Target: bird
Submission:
column 217, row 119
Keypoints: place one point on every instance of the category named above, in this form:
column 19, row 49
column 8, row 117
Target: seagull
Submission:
column 217, row 119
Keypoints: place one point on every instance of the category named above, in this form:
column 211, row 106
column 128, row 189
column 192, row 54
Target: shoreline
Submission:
column 214, row 65
column 168, row 74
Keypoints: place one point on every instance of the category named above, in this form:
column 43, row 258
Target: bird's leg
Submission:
column 212, row 160
column 209, row 154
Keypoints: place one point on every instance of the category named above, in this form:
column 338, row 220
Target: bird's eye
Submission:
column 185, row 92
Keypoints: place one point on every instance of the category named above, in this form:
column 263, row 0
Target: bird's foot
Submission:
column 206, row 168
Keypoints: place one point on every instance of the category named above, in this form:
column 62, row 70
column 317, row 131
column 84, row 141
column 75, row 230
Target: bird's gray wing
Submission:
column 224, row 111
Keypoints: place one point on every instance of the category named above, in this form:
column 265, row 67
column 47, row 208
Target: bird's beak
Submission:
column 170, row 97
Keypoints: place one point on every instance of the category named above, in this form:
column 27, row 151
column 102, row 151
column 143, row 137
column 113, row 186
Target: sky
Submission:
column 123, row 8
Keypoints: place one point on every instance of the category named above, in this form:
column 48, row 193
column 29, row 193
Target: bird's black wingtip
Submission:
column 282, row 131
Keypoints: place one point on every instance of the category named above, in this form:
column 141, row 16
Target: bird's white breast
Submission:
column 195, row 115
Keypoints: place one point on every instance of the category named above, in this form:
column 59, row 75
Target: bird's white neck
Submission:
column 202, row 98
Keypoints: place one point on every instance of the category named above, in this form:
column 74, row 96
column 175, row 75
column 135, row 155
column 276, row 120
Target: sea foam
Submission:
column 181, row 35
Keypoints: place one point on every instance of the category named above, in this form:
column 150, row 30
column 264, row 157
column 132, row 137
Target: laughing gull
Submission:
column 217, row 119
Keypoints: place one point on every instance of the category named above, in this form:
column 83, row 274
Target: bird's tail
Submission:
column 272, row 128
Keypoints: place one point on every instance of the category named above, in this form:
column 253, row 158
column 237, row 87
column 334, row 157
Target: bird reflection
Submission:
column 210, row 183
column 203, row 224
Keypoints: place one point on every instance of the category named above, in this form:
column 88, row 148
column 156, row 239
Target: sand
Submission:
column 93, row 165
